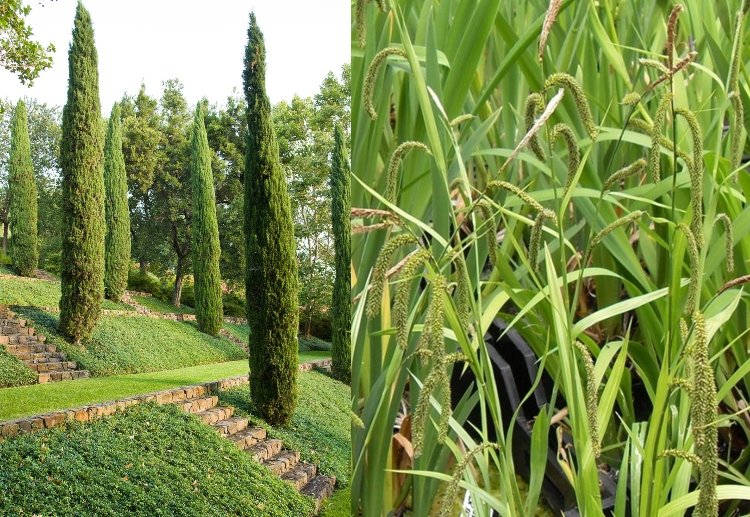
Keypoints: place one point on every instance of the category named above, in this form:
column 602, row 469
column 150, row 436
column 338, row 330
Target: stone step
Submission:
column 261, row 451
column 319, row 488
column 29, row 348
column 215, row 414
column 4, row 340
column 66, row 375
column 248, row 437
column 300, row 475
column 282, row 462
column 231, row 426
column 52, row 367
column 196, row 405
column 41, row 357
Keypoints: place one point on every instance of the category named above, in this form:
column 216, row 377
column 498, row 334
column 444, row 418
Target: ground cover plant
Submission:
column 13, row 372
column 135, row 344
column 148, row 460
column 574, row 168
column 320, row 428
column 156, row 305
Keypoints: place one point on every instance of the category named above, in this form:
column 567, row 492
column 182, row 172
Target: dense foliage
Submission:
column 341, row 305
column 19, row 53
column 82, row 160
column 148, row 460
column 574, row 169
column 206, row 251
column 24, row 250
column 117, row 236
column 271, row 283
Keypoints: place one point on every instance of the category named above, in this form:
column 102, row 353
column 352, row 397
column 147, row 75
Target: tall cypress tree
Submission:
column 24, row 250
column 117, row 236
column 271, row 272
column 342, row 286
column 82, row 163
column 206, row 249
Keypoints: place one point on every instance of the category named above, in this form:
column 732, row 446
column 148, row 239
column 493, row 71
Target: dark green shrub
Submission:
column 144, row 283
column 234, row 305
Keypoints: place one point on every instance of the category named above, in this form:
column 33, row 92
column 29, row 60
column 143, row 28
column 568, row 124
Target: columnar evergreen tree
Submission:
column 82, row 160
column 342, row 227
column 206, row 249
column 117, row 236
column 24, row 248
column 271, row 274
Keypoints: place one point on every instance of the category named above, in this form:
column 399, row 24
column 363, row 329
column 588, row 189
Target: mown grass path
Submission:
column 41, row 398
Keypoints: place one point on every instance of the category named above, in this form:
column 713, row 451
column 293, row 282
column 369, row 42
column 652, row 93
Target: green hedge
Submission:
column 135, row 344
column 149, row 460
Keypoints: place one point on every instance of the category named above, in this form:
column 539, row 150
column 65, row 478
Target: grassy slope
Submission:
column 320, row 429
column 146, row 461
column 239, row 331
column 156, row 305
column 136, row 344
column 38, row 293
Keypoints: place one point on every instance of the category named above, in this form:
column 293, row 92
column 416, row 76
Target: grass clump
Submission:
column 136, row 344
column 13, row 372
column 320, row 428
column 148, row 460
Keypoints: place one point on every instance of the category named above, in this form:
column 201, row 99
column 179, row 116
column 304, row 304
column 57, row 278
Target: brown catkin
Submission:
column 703, row 417
column 693, row 298
column 672, row 32
column 631, row 170
column 534, row 106
column 728, row 239
column 695, row 169
column 401, row 302
column 591, row 397
column 451, row 494
column 654, row 155
column 377, row 282
column 563, row 131
column 372, row 72
column 622, row 221
column 582, row 106
column 396, row 157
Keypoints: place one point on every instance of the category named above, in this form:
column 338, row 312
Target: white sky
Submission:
column 202, row 43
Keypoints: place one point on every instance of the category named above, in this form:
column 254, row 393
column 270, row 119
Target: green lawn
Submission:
column 137, row 344
column 321, row 426
column 239, row 331
column 43, row 398
column 34, row 292
column 148, row 460
column 157, row 305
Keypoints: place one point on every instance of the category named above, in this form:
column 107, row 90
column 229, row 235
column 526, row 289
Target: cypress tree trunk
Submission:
column 206, row 251
column 342, row 286
column 24, row 250
column 117, row 237
column 271, row 267
column 82, row 161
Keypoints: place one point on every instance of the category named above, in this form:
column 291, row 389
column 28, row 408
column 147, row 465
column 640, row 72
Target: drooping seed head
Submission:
column 393, row 165
column 654, row 155
column 380, row 269
column 372, row 72
column 562, row 130
column 579, row 97
column 534, row 106
column 592, row 403
column 633, row 169
column 728, row 239
column 622, row 221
